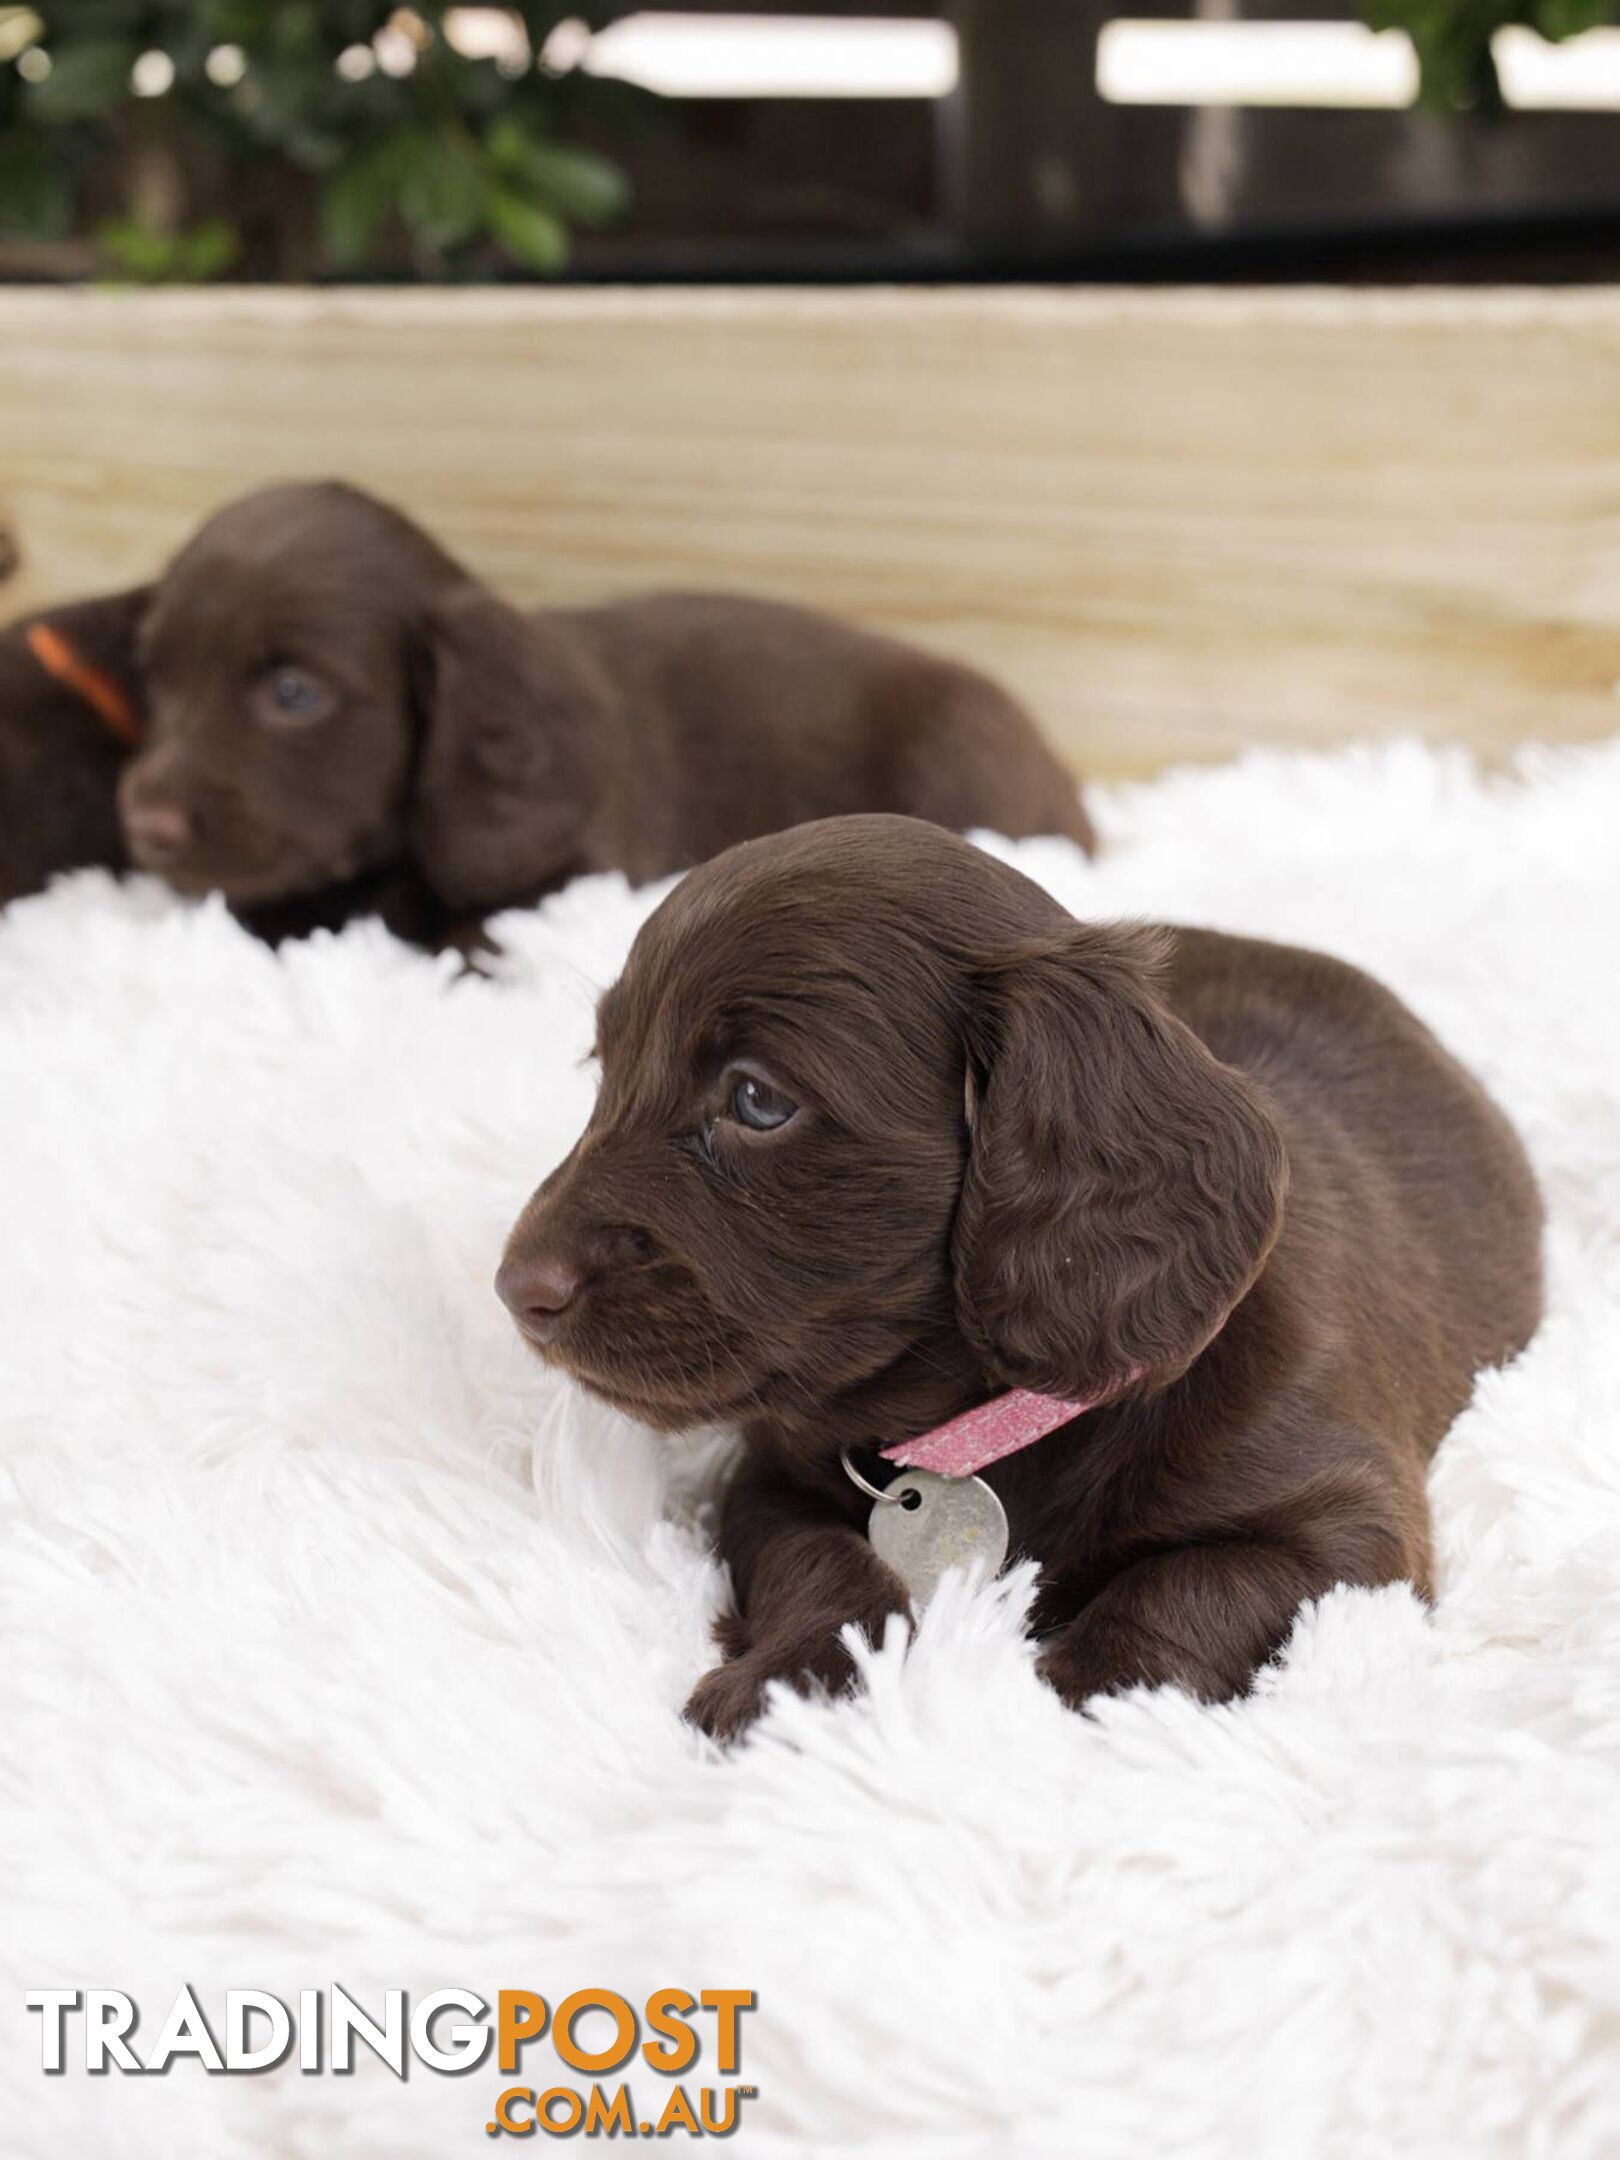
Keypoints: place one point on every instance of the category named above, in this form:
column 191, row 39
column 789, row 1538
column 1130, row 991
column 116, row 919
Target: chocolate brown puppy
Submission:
column 334, row 705
column 69, row 720
column 883, row 1131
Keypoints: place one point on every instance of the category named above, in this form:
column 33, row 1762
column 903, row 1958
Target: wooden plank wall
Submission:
column 1177, row 523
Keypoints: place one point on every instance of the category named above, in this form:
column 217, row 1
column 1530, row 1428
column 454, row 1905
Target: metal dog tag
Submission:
column 924, row 1524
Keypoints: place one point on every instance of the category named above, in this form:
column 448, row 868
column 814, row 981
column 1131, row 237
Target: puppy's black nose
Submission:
column 157, row 829
column 537, row 1293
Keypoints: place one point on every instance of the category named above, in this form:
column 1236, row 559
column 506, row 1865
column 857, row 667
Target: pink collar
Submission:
column 1001, row 1426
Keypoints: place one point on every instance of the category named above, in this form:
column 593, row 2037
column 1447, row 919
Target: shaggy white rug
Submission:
column 342, row 1644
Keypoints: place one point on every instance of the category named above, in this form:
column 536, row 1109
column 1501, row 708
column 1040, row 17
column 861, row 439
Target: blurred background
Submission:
column 151, row 141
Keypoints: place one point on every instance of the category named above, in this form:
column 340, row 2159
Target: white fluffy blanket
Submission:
column 341, row 1643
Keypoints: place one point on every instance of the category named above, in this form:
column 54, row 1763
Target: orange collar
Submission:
column 105, row 697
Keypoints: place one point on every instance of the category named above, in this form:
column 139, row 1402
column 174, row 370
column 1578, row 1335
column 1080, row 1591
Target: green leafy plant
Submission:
column 192, row 139
column 1453, row 40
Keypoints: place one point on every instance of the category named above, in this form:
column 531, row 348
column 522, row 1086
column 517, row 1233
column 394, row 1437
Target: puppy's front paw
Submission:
column 1076, row 1673
column 726, row 1702
column 1085, row 1662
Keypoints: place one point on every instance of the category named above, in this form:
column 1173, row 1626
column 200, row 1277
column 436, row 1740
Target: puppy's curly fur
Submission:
column 339, row 717
column 882, row 1131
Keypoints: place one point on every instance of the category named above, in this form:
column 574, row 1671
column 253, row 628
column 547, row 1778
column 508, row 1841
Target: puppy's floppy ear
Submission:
column 510, row 710
column 1123, row 1187
column 105, row 630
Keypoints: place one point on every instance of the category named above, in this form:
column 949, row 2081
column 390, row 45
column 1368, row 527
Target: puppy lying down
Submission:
column 884, row 1133
column 69, row 718
column 341, row 720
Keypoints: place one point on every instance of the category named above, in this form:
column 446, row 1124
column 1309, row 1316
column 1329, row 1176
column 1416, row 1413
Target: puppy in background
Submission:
column 335, row 707
column 70, row 718
column 72, row 715
column 884, row 1133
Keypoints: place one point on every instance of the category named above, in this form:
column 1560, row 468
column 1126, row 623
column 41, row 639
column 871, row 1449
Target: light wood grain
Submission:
column 1177, row 523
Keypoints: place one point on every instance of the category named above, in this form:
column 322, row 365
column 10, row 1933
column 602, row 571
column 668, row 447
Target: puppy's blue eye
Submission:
column 287, row 696
column 293, row 691
column 759, row 1106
